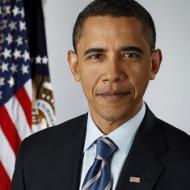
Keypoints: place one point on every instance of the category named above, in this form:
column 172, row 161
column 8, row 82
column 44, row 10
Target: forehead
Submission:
column 109, row 18
column 99, row 29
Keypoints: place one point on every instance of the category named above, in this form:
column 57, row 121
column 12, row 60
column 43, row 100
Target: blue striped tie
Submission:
column 99, row 175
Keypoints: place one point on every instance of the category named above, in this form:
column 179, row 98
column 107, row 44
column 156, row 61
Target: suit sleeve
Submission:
column 18, row 182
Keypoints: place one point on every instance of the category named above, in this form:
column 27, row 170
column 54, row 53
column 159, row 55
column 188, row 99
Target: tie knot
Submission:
column 105, row 148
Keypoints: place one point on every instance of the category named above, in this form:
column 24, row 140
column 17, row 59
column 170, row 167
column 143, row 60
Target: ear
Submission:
column 156, row 59
column 73, row 62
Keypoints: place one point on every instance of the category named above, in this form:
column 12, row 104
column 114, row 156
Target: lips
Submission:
column 114, row 95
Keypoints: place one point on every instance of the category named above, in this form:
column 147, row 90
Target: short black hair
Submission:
column 116, row 8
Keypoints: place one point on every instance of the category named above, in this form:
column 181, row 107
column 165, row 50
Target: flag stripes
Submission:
column 10, row 132
column 25, row 103
column 5, row 181
column 18, row 117
column 7, row 156
column 14, row 127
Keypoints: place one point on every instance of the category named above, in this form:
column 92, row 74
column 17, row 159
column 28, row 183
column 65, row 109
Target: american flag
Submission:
column 22, row 71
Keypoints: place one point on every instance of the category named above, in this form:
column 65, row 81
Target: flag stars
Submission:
column 44, row 60
column 15, row 11
column 4, row 67
column 12, row 25
column 9, row 39
column 38, row 59
column 26, row 55
column 11, row 81
column 22, row 25
column 14, row 68
column 6, row 53
column 25, row 69
column 2, row 81
column 22, row 13
column 19, row 41
column 17, row 54
column 41, row 60
column 14, row 56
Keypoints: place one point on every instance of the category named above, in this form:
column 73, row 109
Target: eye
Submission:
column 95, row 57
column 131, row 55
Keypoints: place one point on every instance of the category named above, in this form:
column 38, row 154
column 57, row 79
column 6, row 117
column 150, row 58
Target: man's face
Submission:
column 114, row 64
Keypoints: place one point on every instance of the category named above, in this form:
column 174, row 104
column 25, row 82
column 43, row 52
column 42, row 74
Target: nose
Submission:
column 114, row 72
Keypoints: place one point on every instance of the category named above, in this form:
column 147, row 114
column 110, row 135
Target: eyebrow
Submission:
column 94, row 50
column 132, row 48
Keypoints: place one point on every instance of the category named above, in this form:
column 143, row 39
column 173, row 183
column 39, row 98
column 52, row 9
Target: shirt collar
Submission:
column 122, row 136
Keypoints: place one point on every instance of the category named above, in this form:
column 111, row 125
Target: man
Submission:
column 119, row 144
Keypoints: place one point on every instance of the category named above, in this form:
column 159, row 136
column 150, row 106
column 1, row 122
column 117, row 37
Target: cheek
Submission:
column 89, row 80
column 139, row 78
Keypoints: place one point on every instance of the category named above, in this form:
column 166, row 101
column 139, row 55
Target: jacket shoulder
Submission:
column 175, row 135
column 178, row 146
column 50, row 136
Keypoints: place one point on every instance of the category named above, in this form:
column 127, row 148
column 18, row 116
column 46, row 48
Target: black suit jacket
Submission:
column 52, row 159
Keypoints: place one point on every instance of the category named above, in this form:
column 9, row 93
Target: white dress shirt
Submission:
column 123, row 137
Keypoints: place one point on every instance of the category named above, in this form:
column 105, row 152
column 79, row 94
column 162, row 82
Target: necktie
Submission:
column 99, row 175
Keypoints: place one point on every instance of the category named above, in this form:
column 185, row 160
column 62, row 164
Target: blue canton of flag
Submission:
column 15, row 64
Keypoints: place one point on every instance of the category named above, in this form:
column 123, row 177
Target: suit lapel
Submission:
column 70, row 155
column 142, row 167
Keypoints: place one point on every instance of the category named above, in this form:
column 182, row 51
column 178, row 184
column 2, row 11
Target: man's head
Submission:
column 115, row 59
column 116, row 8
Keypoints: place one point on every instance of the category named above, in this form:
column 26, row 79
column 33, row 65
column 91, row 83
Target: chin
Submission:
column 115, row 115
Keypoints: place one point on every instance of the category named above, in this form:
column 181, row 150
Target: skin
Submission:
column 114, row 64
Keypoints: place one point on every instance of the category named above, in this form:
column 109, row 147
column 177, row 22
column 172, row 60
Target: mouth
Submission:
column 116, row 95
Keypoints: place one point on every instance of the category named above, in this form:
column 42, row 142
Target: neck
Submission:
column 106, row 125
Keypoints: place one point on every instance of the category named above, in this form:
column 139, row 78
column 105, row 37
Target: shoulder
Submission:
column 52, row 136
column 176, row 157
column 174, row 136
column 177, row 143
column 174, row 139
column 44, row 151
